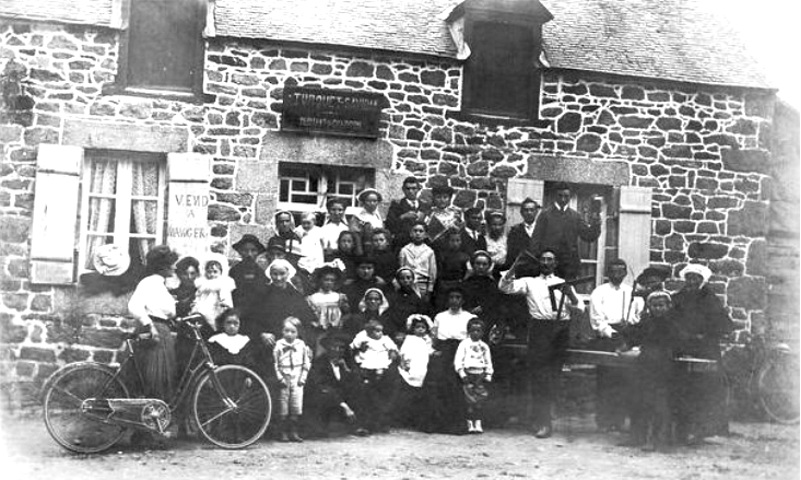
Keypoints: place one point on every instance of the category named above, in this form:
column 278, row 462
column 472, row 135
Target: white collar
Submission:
column 233, row 343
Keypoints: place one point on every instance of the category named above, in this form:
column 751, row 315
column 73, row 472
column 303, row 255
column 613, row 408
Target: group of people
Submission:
column 383, row 322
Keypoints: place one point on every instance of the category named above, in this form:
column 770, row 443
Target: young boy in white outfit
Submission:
column 473, row 363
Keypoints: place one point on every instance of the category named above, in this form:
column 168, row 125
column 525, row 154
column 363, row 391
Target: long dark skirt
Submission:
column 444, row 387
column 700, row 403
column 156, row 362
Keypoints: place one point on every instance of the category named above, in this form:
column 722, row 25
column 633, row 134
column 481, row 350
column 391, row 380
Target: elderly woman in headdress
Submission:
column 701, row 323
column 404, row 300
column 284, row 227
column 280, row 300
column 367, row 218
column 371, row 307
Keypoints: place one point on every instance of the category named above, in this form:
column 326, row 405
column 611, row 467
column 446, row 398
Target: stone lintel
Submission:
column 578, row 170
column 101, row 134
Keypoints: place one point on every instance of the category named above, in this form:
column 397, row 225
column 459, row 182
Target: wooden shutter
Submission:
column 54, row 214
column 634, row 235
column 188, row 202
column 517, row 190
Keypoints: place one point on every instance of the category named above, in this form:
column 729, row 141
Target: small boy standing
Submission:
column 420, row 258
column 473, row 363
column 292, row 360
column 375, row 353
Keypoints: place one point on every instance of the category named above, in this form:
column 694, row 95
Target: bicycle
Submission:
column 767, row 374
column 88, row 407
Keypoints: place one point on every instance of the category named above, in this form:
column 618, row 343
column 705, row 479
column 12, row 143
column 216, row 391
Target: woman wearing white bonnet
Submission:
column 702, row 323
column 704, row 272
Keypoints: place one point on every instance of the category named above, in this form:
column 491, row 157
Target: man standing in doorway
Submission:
column 559, row 228
column 548, row 333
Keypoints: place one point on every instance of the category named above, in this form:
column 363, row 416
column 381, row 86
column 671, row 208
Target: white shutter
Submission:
column 634, row 234
column 188, row 229
column 517, row 190
column 54, row 214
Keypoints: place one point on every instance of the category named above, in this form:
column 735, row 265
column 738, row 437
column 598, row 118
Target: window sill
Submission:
column 495, row 120
column 176, row 95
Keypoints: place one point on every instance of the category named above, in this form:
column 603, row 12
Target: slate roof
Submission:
column 680, row 40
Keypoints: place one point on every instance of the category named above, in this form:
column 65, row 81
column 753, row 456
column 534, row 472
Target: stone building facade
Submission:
column 681, row 166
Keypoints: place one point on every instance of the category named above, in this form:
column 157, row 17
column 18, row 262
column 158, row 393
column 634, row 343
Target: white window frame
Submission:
column 122, row 203
column 328, row 177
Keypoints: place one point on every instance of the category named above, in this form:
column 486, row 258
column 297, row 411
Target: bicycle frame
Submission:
column 201, row 359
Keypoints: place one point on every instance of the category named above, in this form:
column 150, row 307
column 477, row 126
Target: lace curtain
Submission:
column 106, row 203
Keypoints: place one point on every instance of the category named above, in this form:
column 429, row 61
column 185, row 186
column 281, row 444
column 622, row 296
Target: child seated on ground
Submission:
column 374, row 354
column 386, row 261
column 229, row 346
column 292, row 360
column 420, row 258
column 473, row 363
column 414, row 355
column 214, row 289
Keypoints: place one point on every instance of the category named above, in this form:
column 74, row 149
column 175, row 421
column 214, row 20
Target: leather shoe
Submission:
column 544, row 432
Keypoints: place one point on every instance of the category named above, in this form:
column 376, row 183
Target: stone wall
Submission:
column 703, row 150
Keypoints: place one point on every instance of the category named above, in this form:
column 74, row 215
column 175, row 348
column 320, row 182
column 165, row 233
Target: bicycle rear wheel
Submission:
column 69, row 426
column 232, row 406
column 778, row 389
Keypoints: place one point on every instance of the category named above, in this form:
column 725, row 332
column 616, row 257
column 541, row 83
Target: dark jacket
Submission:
column 517, row 240
column 470, row 244
column 702, row 322
column 559, row 231
column 400, row 228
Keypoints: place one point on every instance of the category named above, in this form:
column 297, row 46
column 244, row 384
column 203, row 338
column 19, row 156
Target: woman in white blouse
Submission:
column 152, row 306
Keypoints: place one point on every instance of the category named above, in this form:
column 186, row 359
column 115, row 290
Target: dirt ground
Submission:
column 576, row 451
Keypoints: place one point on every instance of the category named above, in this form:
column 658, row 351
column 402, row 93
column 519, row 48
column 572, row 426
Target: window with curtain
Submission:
column 123, row 203
column 306, row 188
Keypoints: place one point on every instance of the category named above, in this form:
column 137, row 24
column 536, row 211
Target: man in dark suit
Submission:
column 519, row 237
column 559, row 228
column 334, row 387
column 472, row 237
column 404, row 212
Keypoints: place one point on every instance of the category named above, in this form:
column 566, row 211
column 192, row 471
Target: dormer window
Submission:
column 161, row 49
column 501, row 43
column 500, row 78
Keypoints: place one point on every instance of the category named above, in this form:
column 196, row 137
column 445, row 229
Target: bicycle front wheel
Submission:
column 66, row 422
column 232, row 406
column 778, row 388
